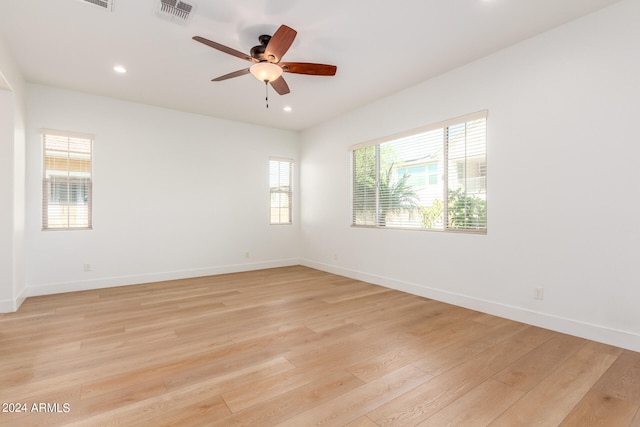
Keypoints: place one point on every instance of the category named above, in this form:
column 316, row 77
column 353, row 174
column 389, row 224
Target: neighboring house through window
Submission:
column 66, row 184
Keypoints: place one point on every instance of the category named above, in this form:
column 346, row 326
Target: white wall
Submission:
column 12, row 181
column 563, row 211
column 6, row 194
column 175, row 195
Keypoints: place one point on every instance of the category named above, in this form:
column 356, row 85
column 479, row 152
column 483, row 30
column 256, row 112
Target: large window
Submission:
column 433, row 178
column 280, row 190
column 66, row 184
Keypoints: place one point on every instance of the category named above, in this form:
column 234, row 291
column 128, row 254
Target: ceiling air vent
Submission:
column 176, row 10
column 105, row 4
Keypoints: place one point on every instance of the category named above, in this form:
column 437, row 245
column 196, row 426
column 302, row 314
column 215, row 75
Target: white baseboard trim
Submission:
column 110, row 282
column 599, row 333
column 7, row 306
column 10, row 306
column 22, row 295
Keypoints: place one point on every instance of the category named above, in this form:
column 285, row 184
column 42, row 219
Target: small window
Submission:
column 66, row 183
column 280, row 191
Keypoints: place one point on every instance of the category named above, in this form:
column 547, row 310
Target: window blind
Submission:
column 67, row 182
column 432, row 178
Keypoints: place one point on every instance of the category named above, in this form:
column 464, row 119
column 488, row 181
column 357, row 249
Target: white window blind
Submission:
column 432, row 178
column 280, row 191
column 66, row 184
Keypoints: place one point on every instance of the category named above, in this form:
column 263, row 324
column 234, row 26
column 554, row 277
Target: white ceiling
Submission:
column 380, row 47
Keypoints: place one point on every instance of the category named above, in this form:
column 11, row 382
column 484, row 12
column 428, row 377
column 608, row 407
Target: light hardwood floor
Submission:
column 297, row 347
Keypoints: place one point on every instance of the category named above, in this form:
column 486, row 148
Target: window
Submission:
column 66, row 184
column 280, row 190
column 416, row 175
column 433, row 173
column 433, row 178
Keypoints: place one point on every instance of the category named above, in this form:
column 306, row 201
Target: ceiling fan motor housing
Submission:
column 257, row 52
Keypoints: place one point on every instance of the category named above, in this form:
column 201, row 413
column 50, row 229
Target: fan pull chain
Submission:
column 266, row 90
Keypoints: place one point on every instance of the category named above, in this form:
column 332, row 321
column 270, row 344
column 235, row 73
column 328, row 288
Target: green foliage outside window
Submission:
column 464, row 211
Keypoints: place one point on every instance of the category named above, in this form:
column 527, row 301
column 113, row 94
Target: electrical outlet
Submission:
column 86, row 267
column 538, row 293
column 246, row 254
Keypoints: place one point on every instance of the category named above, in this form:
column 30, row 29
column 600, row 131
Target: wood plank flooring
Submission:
column 297, row 347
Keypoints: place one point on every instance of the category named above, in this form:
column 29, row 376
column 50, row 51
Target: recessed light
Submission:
column 119, row 69
column 287, row 109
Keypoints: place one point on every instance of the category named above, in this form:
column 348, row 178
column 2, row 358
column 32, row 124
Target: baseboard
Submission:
column 10, row 306
column 599, row 333
column 7, row 306
column 110, row 282
column 22, row 295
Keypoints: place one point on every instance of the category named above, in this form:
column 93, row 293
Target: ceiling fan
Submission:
column 266, row 60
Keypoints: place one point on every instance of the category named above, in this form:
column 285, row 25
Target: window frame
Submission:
column 282, row 190
column 443, row 176
column 83, row 181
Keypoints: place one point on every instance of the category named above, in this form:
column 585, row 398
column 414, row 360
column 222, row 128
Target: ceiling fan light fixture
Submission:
column 265, row 71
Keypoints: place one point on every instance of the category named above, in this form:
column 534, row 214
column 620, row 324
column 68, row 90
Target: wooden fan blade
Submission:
column 309, row 68
column 280, row 86
column 279, row 44
column 231, row 75
column 225, row 49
